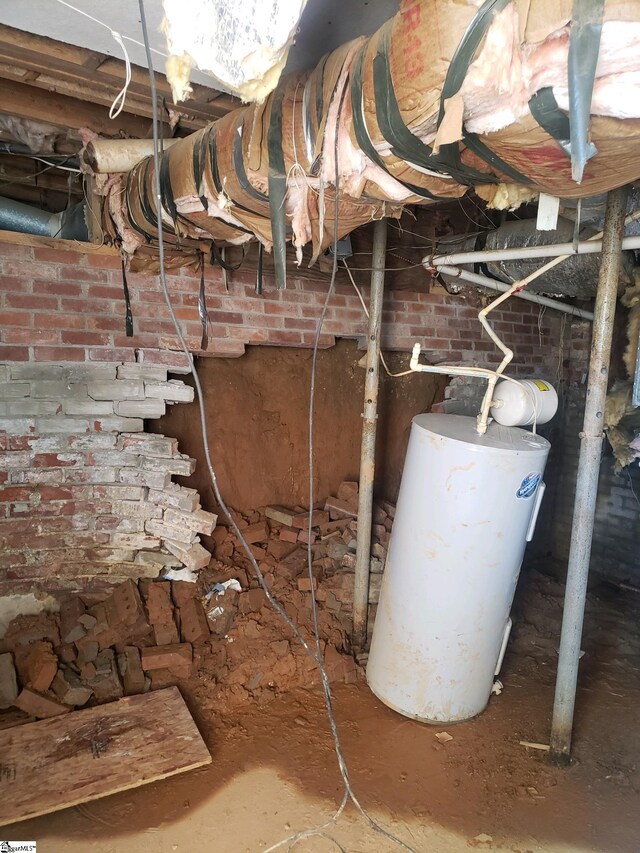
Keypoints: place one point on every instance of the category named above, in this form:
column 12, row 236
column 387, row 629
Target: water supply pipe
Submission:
column 494, row 284
column 588, row 473
column 368, row 446
column 588, row 247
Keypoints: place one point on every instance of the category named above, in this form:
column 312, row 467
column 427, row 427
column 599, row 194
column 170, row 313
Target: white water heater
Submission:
column 466, row 509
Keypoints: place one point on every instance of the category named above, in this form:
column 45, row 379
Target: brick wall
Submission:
column 76, row 392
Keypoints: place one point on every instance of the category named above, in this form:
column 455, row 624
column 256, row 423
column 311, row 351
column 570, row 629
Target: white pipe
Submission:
column 589, row 247
column 492, row 284
column 119, row 155
column 446, row 369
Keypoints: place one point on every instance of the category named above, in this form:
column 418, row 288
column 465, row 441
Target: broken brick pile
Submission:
column 84, row 491
column 218, row 638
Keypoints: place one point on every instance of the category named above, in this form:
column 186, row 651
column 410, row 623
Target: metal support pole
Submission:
column 368, row 446
column 587, row 479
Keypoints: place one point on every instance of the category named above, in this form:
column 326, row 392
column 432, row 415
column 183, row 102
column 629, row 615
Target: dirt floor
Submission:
column 274, row 770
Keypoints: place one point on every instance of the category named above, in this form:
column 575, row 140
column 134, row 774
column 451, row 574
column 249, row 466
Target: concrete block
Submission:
column 199, row 520
column 84, row 372
column 175, row 496
column 14, row 390
column 118, row 424
column 149, row 445
column 106, row 683
column 178, row 466
column 69, row 689
column 71, row 609
column 140, row 408
column 140, row 477
column 39, row 706
column 173, row 391
column 142, row 371
column 194, row 557
column 280, row 514
column 8, row 681
column 116, row 389
column 339, row 509
column 86, row 406
column 156, row 558
column 176, row 532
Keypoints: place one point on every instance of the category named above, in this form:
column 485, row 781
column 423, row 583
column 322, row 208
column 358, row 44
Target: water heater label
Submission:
column 529, row 485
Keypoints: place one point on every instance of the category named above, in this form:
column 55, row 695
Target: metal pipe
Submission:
column 368, row 446
column 25, row 218
column 587, row 479
column 589, row 247
column 492, row 284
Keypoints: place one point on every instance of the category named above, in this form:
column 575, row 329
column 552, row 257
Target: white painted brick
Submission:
column 17, row 426
column 136, row 509
column 142, row 371
column 121, row 493
column 136, row 541
column 156, row 558
column 4, row 372
column 14, row 390
column 116, row 424
column 116, row 389
column 176, row 496
column 15, row 459
column 140, row 408
column 29, row 406
column 195, row 557
column 170, row 531
column 36, row 371
column 86, row 406
column 90, row 372
column 119, row 458
column 113, row 555
column 137, row 477
column 4, row 410
column 179, row 466
column 148, row 445
column 62, row 424
column 90, row 475
column 49, row 443
column 55, row 389
column 37, row 477
column 93, row 441
column 200, row 521
column 130, row 525
column 173, row 391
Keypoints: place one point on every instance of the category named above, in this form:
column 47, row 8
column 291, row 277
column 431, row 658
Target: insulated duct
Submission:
column 444, row 96
column 577, row 276
column 68, row 225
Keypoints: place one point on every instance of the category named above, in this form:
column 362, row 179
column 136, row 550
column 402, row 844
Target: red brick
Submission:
column 175, row 657
column 15, row 493
column 20, row 442
column 112, row 355
column 15, row 318
column 59, row 321
column 58, row 256
column 85, row 338
column 56, row 288
column 108, row 324
column 75, row 273
column 11, row 353
column 29, row 336
column 194, row 625
column 12, row 284
column 36, row 705
column 105, row 291
column 25, row 300
column 105, row 261
column 58, row 354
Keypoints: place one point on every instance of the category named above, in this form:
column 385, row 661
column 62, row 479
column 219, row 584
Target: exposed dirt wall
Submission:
column 257, row 409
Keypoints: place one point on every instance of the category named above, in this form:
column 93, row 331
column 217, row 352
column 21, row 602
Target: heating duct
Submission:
column 443, row 97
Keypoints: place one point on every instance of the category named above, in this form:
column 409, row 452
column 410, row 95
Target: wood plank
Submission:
column 37, row 241
column 25, row 101
column 64, row 761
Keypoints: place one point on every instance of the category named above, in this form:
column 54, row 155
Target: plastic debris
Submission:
column 180, row 575
column 221, row 588
column 498, row 687
column 532, row 745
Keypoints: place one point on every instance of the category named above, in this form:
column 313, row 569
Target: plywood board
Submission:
column 56, row 763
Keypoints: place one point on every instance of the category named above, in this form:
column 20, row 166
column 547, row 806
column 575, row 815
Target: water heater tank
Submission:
column 466, row 508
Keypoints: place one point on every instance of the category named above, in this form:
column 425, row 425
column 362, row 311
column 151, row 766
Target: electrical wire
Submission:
column 317, row 656
column 29, row 177
column 366, row 311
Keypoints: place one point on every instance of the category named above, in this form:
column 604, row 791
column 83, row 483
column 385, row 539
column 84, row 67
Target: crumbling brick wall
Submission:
column 75, row 502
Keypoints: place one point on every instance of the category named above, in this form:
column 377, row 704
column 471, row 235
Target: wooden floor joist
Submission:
column 63, row 761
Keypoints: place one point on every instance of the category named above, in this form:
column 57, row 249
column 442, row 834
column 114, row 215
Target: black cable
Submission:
column 317, row 657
